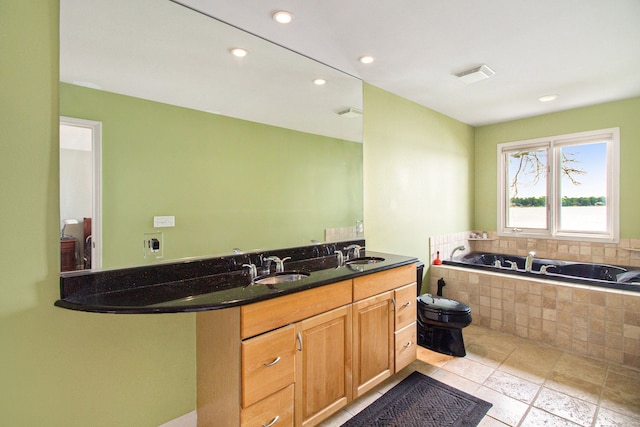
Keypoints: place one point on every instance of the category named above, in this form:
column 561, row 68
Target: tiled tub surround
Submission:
column 600, row 323
column 626, row 252
column 206, row 284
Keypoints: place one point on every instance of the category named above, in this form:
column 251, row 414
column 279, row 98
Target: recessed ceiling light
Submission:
column 239, row 52
column 319, row 81
column 367, row 59
column 548, row 98
column 282, row 17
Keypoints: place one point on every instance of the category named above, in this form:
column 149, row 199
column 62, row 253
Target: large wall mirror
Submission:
column 242, row 152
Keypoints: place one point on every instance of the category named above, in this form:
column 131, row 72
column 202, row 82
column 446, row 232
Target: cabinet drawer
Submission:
column 268, row 364
column 372, row 284
column 266, row 315
column 264, row 412
column 406, row 350
column 406, row 305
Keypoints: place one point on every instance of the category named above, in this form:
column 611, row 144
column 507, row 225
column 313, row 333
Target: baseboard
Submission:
column 187, row 420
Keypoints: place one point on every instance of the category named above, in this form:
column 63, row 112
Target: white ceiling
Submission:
column 164, row 52
column 586, row 51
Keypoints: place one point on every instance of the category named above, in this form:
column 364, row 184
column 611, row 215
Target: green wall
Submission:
column 229, row 183
column 58, row 367
column 623, row 114
column 418, row 174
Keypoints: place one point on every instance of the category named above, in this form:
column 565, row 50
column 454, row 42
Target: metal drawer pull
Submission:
column 276, row 360
column 273, row 421
column 409, row 344
column 300, row 341
column 407, row 304
column 393, row 300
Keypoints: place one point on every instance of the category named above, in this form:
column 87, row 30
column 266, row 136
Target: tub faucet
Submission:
column 512, row 265
column 459, row 248
column 529, row 261
column 279, row 262
column 356, row 251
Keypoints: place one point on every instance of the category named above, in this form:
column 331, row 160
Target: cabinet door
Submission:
column 323, row 365
column 374, row 344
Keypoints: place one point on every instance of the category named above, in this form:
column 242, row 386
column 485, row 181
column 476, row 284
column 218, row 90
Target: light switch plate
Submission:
column 164, row 221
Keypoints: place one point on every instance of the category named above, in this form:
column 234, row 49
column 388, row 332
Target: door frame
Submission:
column 96, row 151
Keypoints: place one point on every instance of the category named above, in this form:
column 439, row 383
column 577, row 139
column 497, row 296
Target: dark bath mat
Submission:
column 421, row 401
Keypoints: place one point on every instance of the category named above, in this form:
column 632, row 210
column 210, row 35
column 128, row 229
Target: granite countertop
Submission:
column 213, row 291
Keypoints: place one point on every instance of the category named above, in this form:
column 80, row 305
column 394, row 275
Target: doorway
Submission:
column 80, row 194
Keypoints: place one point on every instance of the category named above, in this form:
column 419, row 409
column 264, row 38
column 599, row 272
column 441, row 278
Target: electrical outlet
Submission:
column 164, row 221
column 153, row 245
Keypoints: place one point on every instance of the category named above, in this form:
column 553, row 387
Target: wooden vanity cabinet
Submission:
column 298, row 358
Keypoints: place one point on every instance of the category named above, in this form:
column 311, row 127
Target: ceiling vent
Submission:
column 475, row 74
column 350, row 113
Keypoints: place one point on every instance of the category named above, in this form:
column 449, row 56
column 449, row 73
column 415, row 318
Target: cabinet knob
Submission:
column 276, row 360
column 273, row 421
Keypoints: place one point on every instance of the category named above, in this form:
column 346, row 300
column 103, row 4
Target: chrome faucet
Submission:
column 512, row 265
column 356, row 251
column 253, row 272
column 529, row 261
column 340, row 257
column 279, row 262
column 459, row 248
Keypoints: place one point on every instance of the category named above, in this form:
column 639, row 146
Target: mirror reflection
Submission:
column 241, row 152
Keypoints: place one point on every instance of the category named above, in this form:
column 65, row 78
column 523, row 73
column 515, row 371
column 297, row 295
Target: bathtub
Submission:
column 610, row 276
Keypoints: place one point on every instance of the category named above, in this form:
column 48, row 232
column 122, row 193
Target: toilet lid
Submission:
column 430, row 302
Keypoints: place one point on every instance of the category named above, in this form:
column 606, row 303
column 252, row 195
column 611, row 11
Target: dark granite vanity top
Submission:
column 209, row 284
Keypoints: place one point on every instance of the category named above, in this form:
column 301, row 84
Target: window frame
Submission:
column 554, row 145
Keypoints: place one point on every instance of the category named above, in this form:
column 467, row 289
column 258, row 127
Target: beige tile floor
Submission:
column 528, row 384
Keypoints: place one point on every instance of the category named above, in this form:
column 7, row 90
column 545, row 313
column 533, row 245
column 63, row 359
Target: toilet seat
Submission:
column 445, row 305
column 443, row 312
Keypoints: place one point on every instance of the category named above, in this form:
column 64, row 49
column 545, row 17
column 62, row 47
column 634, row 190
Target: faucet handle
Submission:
column 253, row 272
column 280, row 265
column 544, row 268
column 356, row 250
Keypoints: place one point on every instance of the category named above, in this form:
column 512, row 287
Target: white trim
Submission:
column 187, row 420
column 554, row 144
column 96, row 146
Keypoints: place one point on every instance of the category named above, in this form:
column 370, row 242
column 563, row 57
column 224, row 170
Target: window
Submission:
column 564, row 186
